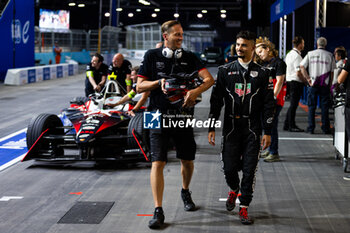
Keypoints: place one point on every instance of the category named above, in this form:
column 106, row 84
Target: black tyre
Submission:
column 38, row 125
column 136, row 123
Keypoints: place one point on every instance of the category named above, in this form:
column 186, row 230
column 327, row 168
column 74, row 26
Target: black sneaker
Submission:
column 158, row 219
column 188, row 203
column 295, row 129
column 309, row 131
column 231, row 201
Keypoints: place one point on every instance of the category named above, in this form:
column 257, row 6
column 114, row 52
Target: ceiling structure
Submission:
column 87, row 17
column 235, row 19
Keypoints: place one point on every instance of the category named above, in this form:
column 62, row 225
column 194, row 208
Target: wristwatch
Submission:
column 159, row 82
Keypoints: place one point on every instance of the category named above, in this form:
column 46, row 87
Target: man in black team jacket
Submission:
column 246, row 89
column 166, row 60
column 96, row 74
column 120, row 70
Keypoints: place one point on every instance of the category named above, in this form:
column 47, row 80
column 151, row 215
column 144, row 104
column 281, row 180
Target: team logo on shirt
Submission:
column 239, row 89
column 254, row 74
column 160, row 65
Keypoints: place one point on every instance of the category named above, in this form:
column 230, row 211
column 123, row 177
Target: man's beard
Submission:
column 241, row 56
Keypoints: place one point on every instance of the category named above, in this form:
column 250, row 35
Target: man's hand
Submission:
column 97, row 88
column 211, row 138
column 266, row 141
column 162, row 86
column 190, row 98
column 309, row 81
column 131, row 113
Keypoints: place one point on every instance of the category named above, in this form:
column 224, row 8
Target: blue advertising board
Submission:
column 17, row 36
column 31, row 76
column 284, row 7
column 70, row 69
column 59, row 72
column 46, row 75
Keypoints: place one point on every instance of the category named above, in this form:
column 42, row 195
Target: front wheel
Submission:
column 53, row 126
column 135, row 129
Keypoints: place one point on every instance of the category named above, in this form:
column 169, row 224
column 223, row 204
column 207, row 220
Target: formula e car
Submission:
column 89, row 130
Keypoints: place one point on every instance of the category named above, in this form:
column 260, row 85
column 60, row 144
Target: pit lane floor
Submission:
column 304, row 192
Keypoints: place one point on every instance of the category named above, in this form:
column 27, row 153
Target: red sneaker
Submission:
column 231, row 201
column 243, row 216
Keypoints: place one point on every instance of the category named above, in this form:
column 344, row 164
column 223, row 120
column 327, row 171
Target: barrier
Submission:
column 82, row 57
column 34, row 74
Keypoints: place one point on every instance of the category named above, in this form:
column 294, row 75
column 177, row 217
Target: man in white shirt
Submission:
column 296, row 83
column 321, row 66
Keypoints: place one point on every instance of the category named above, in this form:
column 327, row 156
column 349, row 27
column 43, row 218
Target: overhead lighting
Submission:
column 223, row 16
column 138, row 10
column 131, row 15
column 199, row 26
column 199, row 15
column 176, row 15
column 223, row 11
column 81, row 5
column 71, row 4
column 107, row 14
column 144, row 2
column 204, row 11
column 119, row 9
column 154, row 15
column 157, row 10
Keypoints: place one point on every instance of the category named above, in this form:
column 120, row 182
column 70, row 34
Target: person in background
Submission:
column 159, row 44
column 96, row 75
column 57, row 52
column 339, row 56
column 132, row 95
column 343, row 78
column 296, row 83
column 119, row 70
column 321, row 66
column 267, row 56
column 231, row 55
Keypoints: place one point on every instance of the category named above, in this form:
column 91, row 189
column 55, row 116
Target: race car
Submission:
column 89, row 130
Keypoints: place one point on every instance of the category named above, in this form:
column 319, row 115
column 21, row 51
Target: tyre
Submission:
column 136, row 123
column 37, row 126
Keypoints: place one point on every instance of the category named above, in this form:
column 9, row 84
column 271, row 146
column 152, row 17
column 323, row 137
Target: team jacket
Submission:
column 246, row 94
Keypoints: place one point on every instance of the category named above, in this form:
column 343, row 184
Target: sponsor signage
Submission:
column 46, row 71
column 70, row 69
column 31, row 76
column 59, row 71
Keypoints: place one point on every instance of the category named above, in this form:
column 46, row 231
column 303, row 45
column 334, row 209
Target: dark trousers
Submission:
column 88, row 88
column 347, row 122
column 295, row 93
column 274, row 133
column 324, row 94
column 241, row 152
